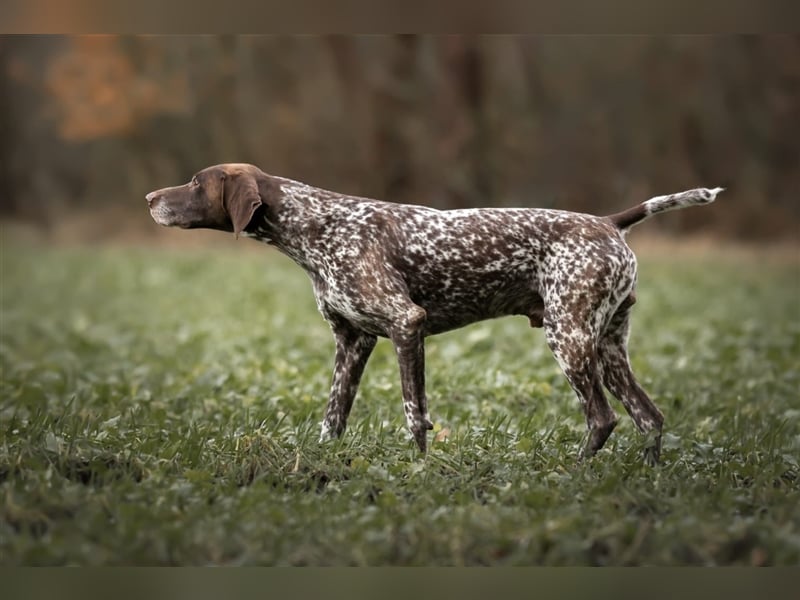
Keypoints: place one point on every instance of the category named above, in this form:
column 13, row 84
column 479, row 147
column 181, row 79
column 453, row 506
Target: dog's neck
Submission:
column 293, row 219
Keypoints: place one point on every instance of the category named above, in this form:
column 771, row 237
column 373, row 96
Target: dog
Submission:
column 405, row 272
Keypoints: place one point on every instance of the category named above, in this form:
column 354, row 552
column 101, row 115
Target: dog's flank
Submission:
column 405, row 272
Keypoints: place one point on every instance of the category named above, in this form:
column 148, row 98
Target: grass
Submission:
column 161, row 407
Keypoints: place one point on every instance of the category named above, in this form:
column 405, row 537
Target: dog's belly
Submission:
column 449, row 302
column 452, row 304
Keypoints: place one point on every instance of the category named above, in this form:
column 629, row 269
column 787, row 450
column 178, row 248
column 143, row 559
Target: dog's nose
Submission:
column 151, row 197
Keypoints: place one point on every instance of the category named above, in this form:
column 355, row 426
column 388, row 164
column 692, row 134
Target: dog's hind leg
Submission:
column 619, row 379
column 572, row 338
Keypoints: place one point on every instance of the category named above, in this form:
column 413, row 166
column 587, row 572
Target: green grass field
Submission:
column 161, row 407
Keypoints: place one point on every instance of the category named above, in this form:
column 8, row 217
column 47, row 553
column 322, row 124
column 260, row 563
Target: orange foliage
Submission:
column 97, row 91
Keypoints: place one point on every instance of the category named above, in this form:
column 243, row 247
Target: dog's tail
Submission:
column 628, row 218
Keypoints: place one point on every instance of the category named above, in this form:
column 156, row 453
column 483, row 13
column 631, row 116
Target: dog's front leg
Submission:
column 408, row 338
column 353, row 348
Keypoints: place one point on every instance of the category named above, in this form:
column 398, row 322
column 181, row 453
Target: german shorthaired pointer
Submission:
column 405, row 272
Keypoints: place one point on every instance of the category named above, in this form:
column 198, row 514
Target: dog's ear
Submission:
column 240, row 199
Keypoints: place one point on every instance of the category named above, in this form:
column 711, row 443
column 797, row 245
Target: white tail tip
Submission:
column 709, row 195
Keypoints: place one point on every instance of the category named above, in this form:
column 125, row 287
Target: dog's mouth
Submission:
column 164, row 216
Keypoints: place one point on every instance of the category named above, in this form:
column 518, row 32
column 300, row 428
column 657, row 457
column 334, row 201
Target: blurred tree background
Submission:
column 89, row 124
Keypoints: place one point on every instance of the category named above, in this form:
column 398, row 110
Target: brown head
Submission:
column 223, row 197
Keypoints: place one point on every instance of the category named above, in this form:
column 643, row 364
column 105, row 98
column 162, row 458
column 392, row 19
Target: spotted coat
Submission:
column 404, row 272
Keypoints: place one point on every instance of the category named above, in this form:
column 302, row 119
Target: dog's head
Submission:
column 223, row 197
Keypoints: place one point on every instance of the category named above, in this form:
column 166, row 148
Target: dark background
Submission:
column 89, row 124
